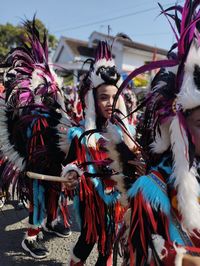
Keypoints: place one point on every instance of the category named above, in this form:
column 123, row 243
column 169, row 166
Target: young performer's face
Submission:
column 105, row 98
column 193, row 123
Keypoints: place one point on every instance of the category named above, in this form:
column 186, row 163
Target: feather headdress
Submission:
column 102, row 71
column 30, row 78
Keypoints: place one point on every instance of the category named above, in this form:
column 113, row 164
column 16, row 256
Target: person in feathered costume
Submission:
column 31, row 114
column 87, row 170
column 4, row 195
column 73, row 103
column 165, row 209
column 131, row 103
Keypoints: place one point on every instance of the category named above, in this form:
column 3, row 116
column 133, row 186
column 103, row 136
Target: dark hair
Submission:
column 84, row 86
column 100, row 120
column 189, row 111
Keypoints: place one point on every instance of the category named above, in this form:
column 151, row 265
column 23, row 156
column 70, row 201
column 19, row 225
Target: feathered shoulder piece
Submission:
column 33, row 120
column 30, row 79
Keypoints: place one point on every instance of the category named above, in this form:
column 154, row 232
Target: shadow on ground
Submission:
column 13, row 224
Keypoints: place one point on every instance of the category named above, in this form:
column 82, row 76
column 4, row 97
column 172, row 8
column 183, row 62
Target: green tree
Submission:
column 11, row 36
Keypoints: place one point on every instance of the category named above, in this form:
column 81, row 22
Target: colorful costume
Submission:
column 73, row 104
column 97, row 200
column 165, row 202
column 32, row 110
column 131, row 103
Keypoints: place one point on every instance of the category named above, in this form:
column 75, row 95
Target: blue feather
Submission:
column 74, row 132
column 151, row 192
column 108, row 199
column 76, row 207
column 166, row 168
column 39, row 203
column 174, row 233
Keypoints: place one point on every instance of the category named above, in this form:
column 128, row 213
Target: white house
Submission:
column 128, row 55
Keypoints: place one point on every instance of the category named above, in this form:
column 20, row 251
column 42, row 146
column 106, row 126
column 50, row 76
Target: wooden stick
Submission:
column 45, row 177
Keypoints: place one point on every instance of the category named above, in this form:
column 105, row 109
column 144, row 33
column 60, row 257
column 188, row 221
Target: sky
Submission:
column 77, row 19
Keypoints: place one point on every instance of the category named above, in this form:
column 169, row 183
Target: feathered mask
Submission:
column 104, row 70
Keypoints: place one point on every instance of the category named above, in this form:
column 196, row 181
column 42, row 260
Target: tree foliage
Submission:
column 11, row 36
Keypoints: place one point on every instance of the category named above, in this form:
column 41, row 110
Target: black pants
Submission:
column 83, row 249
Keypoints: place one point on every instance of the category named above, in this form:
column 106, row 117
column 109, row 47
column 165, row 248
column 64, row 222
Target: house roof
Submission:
column 80, row 47
column 136, row 45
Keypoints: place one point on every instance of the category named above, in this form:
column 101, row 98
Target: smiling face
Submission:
column 105, row 98
column 193, row 124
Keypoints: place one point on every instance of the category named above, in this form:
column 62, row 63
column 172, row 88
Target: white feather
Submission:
column 189, row 95
column 180, row 251
column 185, row 180
column 96, row 79
column 113, row 138
column 58, row 80
column 36, row 79
column 122, row 108
column 71, row 167
column 162, row 140
column 112, row 134
column 90, row 117
column 119, row 179
column 159, row 244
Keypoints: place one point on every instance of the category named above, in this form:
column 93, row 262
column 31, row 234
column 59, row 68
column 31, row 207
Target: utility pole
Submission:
column 109, row 30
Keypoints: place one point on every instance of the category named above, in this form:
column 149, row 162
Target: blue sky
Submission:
column 78, row 18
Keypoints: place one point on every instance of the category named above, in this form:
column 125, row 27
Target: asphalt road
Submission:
column 13, row 224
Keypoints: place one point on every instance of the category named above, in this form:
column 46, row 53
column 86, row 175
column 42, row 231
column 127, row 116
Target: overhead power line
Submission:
column 111, row 19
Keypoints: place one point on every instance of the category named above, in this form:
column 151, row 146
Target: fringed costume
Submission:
column 73, row 103
column 97, row 201
column 165, row 210
column 32, row 114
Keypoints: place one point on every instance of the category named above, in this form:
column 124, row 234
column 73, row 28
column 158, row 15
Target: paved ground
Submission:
column 13, row 225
